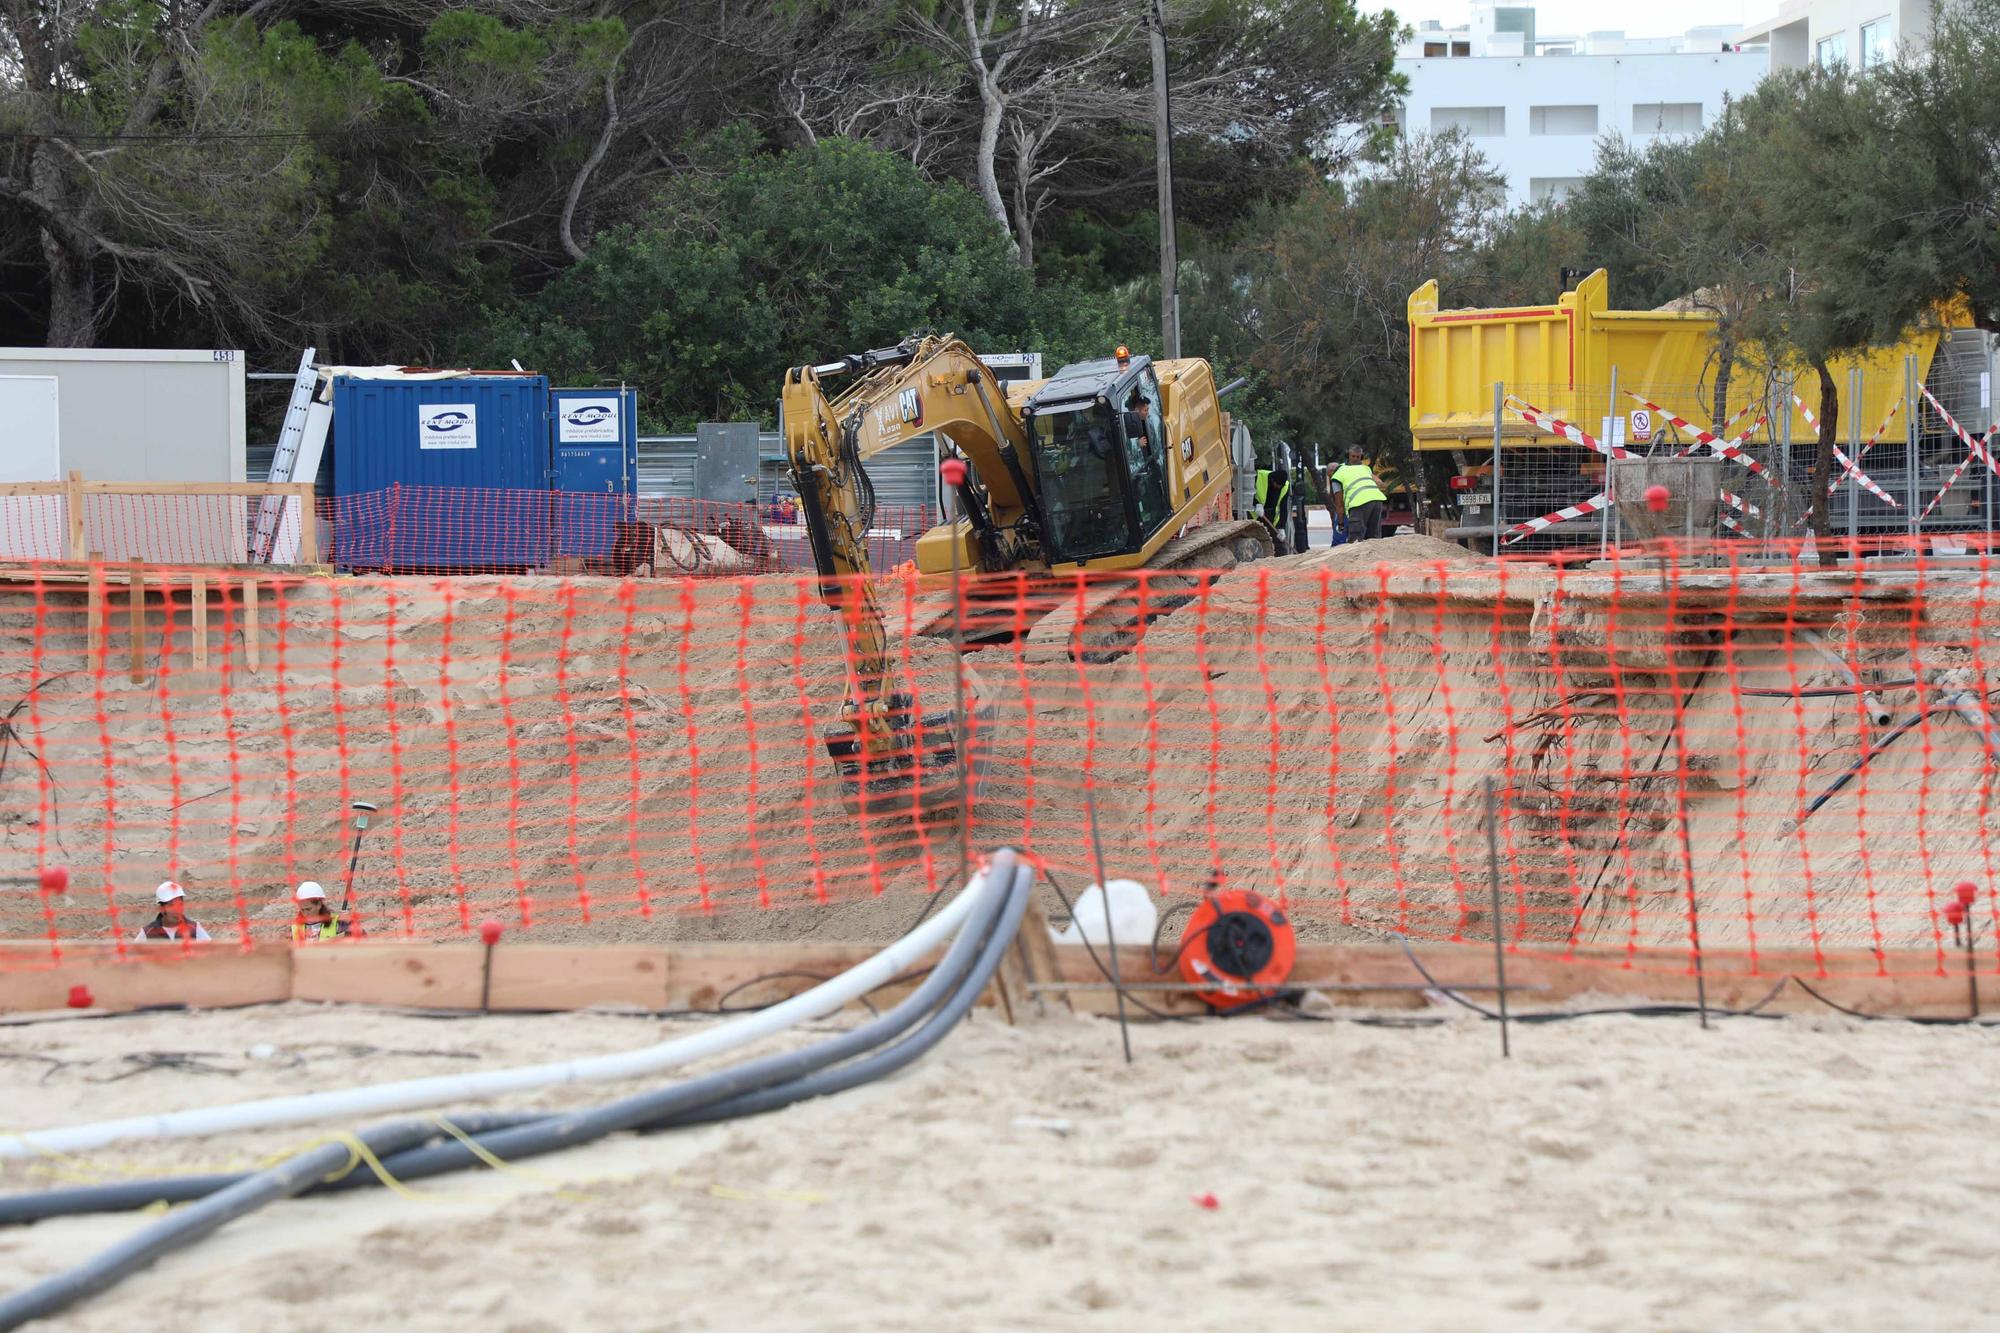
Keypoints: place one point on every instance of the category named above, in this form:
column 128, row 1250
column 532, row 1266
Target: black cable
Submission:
column 1558, row 1015
column 722, row 1001
column 1160, row 928
column 1927, row 1021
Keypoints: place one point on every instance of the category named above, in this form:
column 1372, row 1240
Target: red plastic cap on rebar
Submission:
column 1966, row 891
column 1954, row 911
column 489, row 932
column 55, row 879
column 1208, row 1201
column 953, row 471
column 1657, row 497
column 80, row 997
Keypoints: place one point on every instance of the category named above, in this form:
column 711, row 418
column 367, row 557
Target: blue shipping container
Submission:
column 441, row 474
column 595, row 443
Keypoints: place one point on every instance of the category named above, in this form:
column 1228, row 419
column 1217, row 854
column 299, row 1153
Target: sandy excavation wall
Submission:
column 591, row 766
column 1317, row 726
column 1322, row 728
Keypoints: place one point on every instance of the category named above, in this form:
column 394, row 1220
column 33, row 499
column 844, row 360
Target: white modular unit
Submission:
column 127, row 415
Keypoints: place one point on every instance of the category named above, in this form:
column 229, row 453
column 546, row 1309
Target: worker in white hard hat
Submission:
column 315, row 920
column 172, row 921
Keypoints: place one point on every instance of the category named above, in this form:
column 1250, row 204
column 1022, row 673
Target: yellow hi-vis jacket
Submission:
column 1357, row 484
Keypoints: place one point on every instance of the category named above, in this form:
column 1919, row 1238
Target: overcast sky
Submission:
column 1637, row 18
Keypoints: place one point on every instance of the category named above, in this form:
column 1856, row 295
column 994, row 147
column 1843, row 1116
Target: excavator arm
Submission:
column 891, row 758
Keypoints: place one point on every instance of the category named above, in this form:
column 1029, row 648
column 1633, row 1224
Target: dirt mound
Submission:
column 1408, row 549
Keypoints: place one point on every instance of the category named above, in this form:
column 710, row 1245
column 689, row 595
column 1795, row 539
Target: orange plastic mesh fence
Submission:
column 597, row 758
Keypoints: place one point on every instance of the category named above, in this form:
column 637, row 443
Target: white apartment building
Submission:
column 1857, row 33
column 1536, row 103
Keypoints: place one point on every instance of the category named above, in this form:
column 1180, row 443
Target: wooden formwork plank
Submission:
column 251, row 646
column 135, row 603
column 452, row 976
column 200, row 976
column 198, row 620
column 73, row 506
column 536, row 976
column 93, row 613
column 1902, row 983
column 706, row 976
column 388, row 972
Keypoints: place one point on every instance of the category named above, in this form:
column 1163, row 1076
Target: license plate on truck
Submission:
column 1468, row 499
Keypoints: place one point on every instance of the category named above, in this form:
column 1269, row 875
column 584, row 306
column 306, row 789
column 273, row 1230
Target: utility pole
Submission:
column 1163, row 154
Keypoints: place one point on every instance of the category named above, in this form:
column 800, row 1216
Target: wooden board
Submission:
column 205, row 976
column 252, row 642
column 198, row 620
column 704, row 976
column 546, row 976
column 1902, row 983
column 388, row 972
column 135, row 603
column 449, row 976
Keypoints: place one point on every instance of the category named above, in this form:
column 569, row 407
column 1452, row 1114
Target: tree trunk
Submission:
column 1725, row 351
column 992, row 107
column 72, row 278
column 72, row 295
column 1024, row 211
column 1822, row 469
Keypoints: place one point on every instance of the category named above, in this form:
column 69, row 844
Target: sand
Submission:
column 597, row 761
column 1618, row 1173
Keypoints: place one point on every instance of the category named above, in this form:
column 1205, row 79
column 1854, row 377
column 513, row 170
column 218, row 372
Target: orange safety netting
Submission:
column 603, row 758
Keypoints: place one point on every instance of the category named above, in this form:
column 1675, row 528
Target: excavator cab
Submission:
column 1100, row 458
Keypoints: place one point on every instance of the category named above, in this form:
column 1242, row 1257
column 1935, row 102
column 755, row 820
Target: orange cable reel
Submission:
column 1239, row 947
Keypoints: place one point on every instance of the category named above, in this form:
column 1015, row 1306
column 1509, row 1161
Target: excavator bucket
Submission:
column 918, row 775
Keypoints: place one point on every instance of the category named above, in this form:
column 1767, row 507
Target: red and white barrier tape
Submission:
column 1850, row 466
column 1723, row 447
column 1896, row 407
column 1581, row 509
column 1972, row 447
column 1975, row 451
column 1740, row 505
column 1600, row 501
column 1541, row 420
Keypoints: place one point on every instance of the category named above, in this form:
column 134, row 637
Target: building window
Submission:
column 1434, row 48
column 1562, row 120
column 1832, row 50
column 1666, row 118
column 1875, row 43
column 1461, row 48
column 1552, row 189
column 1478, row 121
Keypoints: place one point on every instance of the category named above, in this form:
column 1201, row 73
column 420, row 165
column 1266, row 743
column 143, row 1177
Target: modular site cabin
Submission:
column 1521, row 405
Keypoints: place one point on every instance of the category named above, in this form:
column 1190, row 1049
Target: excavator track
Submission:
column 1105, row 623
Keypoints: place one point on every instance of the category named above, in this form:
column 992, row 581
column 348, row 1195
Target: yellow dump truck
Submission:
column 1559, row 363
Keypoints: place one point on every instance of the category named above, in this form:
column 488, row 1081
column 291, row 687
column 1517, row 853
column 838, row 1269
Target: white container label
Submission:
column 447, row 426
column 587, row 421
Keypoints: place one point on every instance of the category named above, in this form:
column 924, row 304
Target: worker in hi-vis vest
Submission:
column 315, row 919
column 1359, row 496
column 1274, row 491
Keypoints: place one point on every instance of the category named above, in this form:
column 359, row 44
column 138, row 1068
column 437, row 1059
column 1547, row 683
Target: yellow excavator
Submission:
column 1118, row 464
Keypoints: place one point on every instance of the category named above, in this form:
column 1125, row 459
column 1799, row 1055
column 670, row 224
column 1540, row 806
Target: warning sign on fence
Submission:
column 1642, row 426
